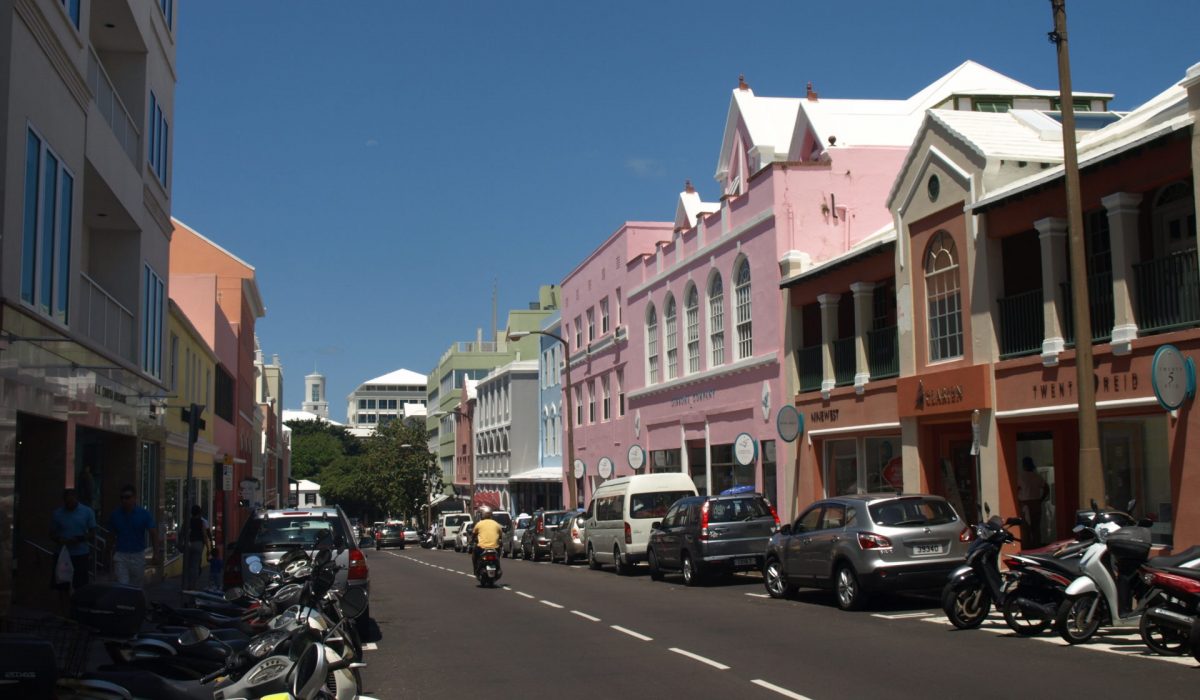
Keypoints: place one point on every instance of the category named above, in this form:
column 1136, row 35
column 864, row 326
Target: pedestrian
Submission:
column 131, row 523
column 1032, row 490
column 71, row 526
column 198, row 546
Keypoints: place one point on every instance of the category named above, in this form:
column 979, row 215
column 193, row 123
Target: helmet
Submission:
column 485, row 512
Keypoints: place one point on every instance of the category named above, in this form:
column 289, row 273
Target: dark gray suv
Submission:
column 700, row 535
column 868, row 542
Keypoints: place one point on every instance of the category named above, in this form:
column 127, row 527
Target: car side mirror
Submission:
column 785, row 529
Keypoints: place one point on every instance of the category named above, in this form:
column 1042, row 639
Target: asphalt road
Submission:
column 567, row 631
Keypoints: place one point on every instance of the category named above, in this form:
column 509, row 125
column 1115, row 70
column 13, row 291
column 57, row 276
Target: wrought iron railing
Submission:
column 1022, row 326
column 809, row 366
column 843, row 361
column 1100, row 301
column 883, row 352
column 1168, row 292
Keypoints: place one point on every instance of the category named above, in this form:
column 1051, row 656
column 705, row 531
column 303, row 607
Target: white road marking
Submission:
column 523, row 594
column 553, row 605
column 370, row 646
column 704, row 660
column 901, row 616
column 758, row 595
column 631, row 633
column 782, row 691
column 585, row 616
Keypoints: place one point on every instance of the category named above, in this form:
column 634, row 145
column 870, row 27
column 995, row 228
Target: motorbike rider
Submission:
column 487, row 534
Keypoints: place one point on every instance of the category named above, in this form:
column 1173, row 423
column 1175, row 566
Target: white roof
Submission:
column 1014, row 135
column 881, row 237
column 289, row 415
column 400, row 376
column 690, row 207
column 539, row 474
column 306, row 485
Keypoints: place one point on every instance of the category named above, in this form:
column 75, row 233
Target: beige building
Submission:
column 87, row 92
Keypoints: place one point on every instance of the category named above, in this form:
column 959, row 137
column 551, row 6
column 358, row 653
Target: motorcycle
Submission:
column 969, row 594
column 427, row 541
column 1171, row 622
column 487, row 570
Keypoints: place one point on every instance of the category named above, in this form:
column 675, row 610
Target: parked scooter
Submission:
column 1171, row 623
column 968, row 595
column 487, row 570
column 427, row 541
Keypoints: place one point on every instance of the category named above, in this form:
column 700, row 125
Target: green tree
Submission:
column 399, row 470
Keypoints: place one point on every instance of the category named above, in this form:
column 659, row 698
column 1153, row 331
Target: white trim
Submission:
column 714, row 373
column 1074, row 407
column 851, row 428
column 703, row 252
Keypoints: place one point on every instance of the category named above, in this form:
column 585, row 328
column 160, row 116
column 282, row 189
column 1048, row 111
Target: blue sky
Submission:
column 383, row 163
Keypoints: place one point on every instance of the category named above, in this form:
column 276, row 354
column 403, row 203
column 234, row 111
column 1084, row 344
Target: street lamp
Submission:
column 569, row 475
column 471, row 471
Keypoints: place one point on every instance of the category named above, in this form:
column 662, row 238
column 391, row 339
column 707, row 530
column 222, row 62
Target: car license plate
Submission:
column 926, row 549
column 745, row 561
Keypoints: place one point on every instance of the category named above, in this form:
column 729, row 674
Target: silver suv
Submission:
column 865, row 543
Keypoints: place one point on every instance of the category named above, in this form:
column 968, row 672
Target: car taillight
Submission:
column 541, row 526
column 358, row 565
column 704, row 521
column 233, row 574
column 869, row 540
column 574, row 532
column 774, row 514
column 966, row 534
column 401, row 535
column 628, row 534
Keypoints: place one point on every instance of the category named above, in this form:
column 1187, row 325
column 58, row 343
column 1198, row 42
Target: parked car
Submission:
column 536, row 541
column 706, row 534
column 390, row 536
column 856, row 545
column 447, row 528
column 511, row 546
column 356, row 528
column 618, row 529
column 567, row 540
column 376, row 528
column 462, row 541
column 411, row 536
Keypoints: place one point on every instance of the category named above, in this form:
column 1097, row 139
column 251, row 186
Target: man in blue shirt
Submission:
column 71, row 526
column 130, row 524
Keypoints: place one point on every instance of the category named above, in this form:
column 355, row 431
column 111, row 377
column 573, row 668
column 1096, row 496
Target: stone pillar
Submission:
column 829, row 331
column 864, row 311
column 1052, row 234
column 1122, row 208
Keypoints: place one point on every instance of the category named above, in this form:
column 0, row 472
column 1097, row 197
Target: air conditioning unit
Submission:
column 622, row 332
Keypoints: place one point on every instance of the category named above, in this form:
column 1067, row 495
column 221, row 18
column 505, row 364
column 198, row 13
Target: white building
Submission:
column 315, row 400
column 506, row 430
column 310, row 494
column 382, row 399
column 291, row 415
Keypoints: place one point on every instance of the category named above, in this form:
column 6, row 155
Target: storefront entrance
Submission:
column 955, row 474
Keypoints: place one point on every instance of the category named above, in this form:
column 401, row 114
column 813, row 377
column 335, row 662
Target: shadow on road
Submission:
column 370, row 632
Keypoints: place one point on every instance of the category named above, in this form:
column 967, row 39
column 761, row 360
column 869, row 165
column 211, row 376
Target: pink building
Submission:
column 682, row 349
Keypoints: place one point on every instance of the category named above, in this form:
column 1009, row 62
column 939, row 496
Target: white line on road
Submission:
column 704, row 660
column 553, row 605
column 901, row 616
column 758, row 595
column 524, row 595
column 631, row 633
column 585, row 616
column 782, row 691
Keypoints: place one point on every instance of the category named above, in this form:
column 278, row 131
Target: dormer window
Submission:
column 992, row 104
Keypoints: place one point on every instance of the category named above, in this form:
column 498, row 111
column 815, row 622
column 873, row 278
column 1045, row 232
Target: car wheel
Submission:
column 849, row 594
column 591, row 557
column 652, row 562
column 775, row 580
column 692, row 575
column 619, row 566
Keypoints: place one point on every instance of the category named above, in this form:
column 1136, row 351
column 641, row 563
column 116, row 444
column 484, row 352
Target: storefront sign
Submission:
column 580, row 469
column 637, row 457
column 824, row 415
column 604, row 467
column 227, row 477
column 745, row 449
column 789, row 423
column 1174, row 377
column 1115, row 383
column 949, row 391
column 694, row 397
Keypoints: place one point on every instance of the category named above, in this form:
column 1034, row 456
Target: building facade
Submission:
column 315, row 400
column 506, row 429
column 382, row 399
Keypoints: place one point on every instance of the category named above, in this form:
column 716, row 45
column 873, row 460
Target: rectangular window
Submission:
column 578, row 332
column 620, row 316
column 603, row 315
column 841, row 467
column 223, row 395
column 151, row 468
column 992, row 104
column 578, row 406
column 591, row 317
column 605, row 399
column 591, row 390
column 159, row 139
column 152, row 313
column 316, row 393
column 46, row 234
column 174, row 368
column 620, row 393
column 72, row 8
column 371, row 404
column 168, row 10
column 362, row 404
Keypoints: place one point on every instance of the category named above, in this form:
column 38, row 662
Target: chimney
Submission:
column 742, row 83
column 810, row 93
column 687, row 187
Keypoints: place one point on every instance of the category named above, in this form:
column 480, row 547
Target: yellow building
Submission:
column 191, row 366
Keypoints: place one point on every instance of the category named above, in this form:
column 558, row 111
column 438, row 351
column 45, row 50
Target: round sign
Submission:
column 580, row 469
column 745, row 449
column 790, row 423
column 637, row 457
column 604, row 467
column 1172, row 375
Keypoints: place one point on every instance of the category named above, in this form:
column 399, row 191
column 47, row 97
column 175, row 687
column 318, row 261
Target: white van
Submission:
column 622, row 511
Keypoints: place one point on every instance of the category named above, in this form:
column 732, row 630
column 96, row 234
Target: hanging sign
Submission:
column 790, row 423
column 604, row 467
column 637, row 457
column 580, row 469
column 1173, row 376
column 745, row 449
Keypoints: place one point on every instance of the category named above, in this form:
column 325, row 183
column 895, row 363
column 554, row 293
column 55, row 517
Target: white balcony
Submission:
column 112, row 108
column 106, row 321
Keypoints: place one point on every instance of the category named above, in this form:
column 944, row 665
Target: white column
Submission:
column 1052, row 234
column 829, row 325
column 864, row 303
column 1122, row 208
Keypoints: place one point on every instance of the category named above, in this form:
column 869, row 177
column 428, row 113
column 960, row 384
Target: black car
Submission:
column 705, row 534
column 390, row 536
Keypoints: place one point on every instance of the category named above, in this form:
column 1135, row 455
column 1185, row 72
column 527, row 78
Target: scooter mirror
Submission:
column 254, row 564
column 234, row 593
column 354, row 602
column 194, row 635
column 323, row 557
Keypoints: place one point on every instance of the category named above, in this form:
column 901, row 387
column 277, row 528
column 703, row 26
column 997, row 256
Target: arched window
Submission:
column 672, row 337
column 651, row 346
column 741, row 291
column 691, row 319
column 716, row 320
column 944, row 299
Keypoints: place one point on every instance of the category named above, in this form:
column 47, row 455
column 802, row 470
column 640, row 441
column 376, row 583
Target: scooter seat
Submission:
column 143, row 684
column 1068, row 567
column 1175, row 560
column 1193, row 574
column 207, row 650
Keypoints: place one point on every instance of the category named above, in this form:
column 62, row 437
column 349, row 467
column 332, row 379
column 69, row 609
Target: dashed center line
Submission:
column 702, row 659
column 585, row 616
column 631, row 633
column 553, row 605
column 902, row 616
column 758, row 595
column 782, row 691
column 523, row 594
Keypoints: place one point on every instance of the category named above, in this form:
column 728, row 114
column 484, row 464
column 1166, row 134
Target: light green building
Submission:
column 465, row 362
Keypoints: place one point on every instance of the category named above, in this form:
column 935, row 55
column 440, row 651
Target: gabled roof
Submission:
column 400, row 376
column 290, row 415
column 769, row 122
column 690, row 207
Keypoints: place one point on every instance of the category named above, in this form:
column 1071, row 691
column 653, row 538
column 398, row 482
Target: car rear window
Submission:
column 654, row 504
column 458, row 519
column 553, row 518
column 391, row 530
column 265, row 534
column 503, row 518
column 735, row 510
column 906, row 512
column 523, row 523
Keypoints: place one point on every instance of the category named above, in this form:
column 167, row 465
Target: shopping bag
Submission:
column 64, row 570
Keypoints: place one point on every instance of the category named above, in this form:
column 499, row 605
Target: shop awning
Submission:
column 438, row 499
column 539, row 474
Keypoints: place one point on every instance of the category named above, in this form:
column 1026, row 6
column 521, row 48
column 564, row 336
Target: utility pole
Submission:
column 1091, row 475
column 192, row 415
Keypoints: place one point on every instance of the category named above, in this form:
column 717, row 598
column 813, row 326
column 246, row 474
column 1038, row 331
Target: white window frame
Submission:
column 604, row 327
column 591, row 324
column 691, row 317
column 671, row 336
column 651, row 345
column 943, row 299
column 605, row 399
column 744, row 315
column 716, row 320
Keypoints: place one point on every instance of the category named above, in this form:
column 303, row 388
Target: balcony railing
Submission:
column 1100, row 299
column 883, row 352
column 108, row 322
column 1168, row 292
column 113, row 109
column 809, row 361
column 1022, row 325
column 843, row 361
